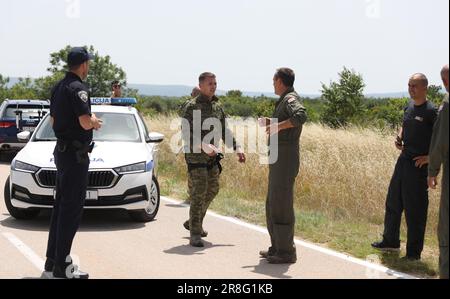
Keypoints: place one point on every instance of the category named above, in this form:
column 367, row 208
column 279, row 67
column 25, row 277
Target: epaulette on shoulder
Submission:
column 75, row 85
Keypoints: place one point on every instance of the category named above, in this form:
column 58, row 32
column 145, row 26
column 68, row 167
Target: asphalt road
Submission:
column 110, row 245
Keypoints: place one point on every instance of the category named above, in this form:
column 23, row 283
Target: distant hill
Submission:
column 184, row 90
column 388, row 95
column 181, row 90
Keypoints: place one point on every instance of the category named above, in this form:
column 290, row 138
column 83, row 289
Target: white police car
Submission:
column 122, row 173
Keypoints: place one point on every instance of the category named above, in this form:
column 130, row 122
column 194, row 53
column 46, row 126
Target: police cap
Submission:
column 78, row 56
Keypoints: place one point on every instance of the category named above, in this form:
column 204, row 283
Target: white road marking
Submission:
column 26, row 251
column 314, row 247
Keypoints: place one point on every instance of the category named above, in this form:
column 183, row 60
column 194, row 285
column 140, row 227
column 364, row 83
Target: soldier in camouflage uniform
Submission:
column 287, row 123
column 195, row 93
column 202, row 156
column 439, row 156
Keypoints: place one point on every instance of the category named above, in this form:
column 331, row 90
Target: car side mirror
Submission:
column 155, row 137
column 24, row 136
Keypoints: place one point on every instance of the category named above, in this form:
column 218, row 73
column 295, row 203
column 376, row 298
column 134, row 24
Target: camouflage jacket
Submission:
column 439, row 142
column 194, row 113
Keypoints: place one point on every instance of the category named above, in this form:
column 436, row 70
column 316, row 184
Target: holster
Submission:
column 81, row 149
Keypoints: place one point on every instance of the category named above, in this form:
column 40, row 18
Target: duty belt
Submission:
column 209, row 166
column 81, row 149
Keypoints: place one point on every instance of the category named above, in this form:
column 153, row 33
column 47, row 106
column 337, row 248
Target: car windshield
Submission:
column 28, row 111
column 117, row 127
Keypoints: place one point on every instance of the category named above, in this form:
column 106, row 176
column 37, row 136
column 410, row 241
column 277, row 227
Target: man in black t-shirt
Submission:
column 408, row 190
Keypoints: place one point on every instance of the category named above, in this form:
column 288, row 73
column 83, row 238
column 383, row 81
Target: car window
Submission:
column 144, row 125
column 117, row 127
column 28, row 111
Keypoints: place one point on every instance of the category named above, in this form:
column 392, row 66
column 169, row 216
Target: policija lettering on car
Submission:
column 93, row 160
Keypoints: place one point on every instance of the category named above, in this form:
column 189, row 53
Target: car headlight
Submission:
column 24, row 167
column 135, row 168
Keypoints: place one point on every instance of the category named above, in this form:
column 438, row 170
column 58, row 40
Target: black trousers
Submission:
column 408, row 192
column 280, row 215
column 71, row 187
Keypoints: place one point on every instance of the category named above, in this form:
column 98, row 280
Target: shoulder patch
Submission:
column 291, row 100
column 83, row 95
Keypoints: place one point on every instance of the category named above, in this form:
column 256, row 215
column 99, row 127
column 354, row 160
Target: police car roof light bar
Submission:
column 114, row 101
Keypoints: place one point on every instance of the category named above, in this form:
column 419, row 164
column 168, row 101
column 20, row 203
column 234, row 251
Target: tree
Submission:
column 24, row 89
column 343, row 99
column 435, row 94
column 44, row 85
column 390, row 113
column 234, row 94
column 102, row 72
column 3, row 88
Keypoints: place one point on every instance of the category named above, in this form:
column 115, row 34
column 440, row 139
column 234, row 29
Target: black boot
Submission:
column 266, row 253
column 49, row 265
column 69, row 271
column 196, row 241
column 187, row 227
column 384, row 246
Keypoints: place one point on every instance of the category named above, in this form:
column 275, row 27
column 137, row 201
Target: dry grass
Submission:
column 344, row 178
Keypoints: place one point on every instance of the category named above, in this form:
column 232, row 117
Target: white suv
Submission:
column 122, row 173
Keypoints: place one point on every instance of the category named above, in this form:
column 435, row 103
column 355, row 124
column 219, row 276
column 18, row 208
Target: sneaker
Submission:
column 383, row 246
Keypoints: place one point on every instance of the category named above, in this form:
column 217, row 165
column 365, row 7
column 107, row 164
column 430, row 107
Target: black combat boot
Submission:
column 69, row 271
column 196, row 241
column 266, row 253
column 204, row 232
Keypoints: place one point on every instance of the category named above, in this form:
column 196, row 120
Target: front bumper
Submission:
column 130, row 192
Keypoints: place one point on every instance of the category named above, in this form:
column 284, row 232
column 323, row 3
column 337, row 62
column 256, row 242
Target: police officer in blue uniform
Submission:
column 73, row 124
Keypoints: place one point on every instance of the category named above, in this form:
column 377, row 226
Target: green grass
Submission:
column 337, row 233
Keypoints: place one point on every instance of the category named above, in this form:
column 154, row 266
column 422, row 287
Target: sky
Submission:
column 171, row 42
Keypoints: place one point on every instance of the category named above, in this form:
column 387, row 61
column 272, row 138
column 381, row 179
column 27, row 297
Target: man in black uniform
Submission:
column 72, row 121
column 408, row 190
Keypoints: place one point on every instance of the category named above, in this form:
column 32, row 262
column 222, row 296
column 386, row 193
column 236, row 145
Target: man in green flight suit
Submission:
column 439, row 156
column 287, row 122
column 204, row 124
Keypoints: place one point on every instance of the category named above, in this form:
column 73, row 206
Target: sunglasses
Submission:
column 117, row 86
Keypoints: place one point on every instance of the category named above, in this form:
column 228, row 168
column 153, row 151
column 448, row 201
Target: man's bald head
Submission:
column 418, row 87
column 420, row 78
column 445, row 77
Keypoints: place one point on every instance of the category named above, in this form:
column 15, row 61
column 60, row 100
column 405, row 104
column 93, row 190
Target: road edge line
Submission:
column 308, row 245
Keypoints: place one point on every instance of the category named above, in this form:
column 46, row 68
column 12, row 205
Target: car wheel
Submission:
column 21, row 214
column 150, row 212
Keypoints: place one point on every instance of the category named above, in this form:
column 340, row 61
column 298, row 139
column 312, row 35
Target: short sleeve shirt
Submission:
column 70, row 100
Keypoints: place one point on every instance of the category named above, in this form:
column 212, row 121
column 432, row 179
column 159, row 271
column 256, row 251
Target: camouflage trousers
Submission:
column 204, row 187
